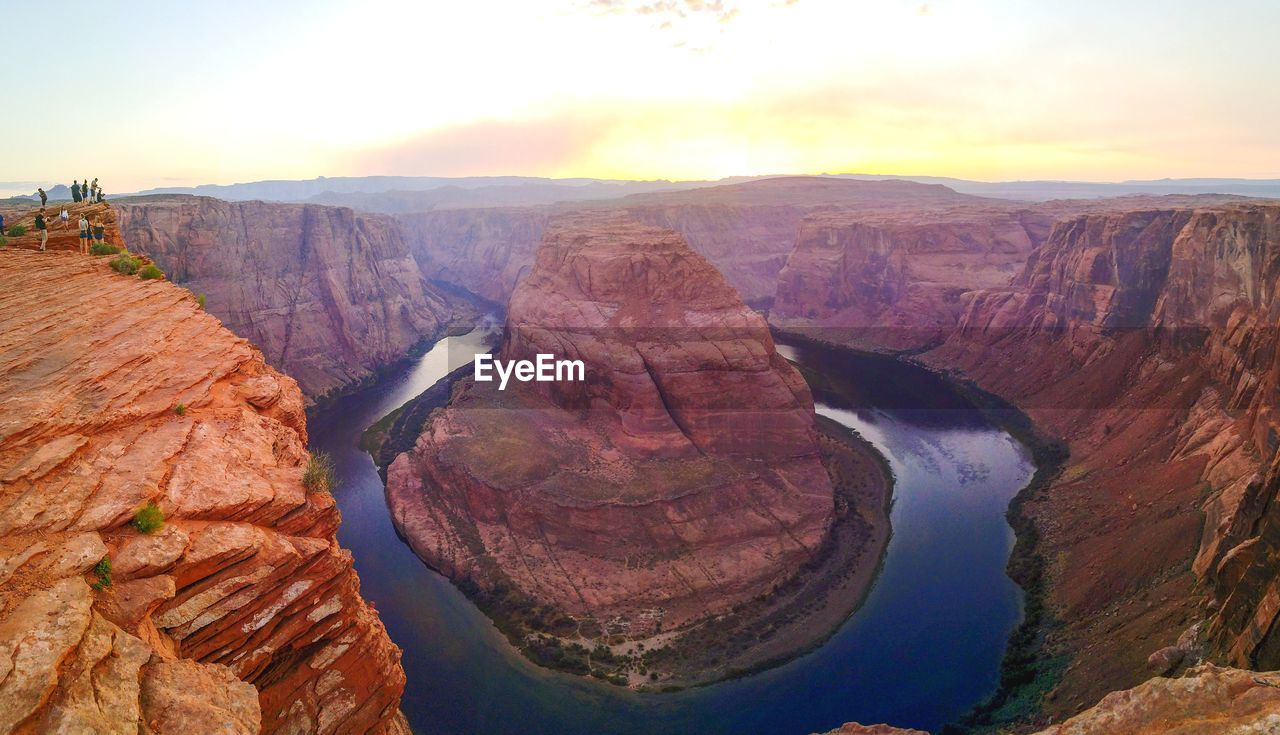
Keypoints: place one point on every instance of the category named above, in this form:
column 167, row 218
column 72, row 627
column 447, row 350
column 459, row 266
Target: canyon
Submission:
column 330, row 296
column 682, row 479
column 1135, row 334
column 236, row 611
column 746, row 230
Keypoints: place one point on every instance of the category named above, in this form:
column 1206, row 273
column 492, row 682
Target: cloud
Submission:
column 490, row 147
column 668, row 11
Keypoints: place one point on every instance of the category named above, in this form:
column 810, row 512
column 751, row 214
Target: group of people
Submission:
column 86, row 192
column 89, row 231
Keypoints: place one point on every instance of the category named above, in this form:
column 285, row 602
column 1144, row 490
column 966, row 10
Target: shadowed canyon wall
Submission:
column 329, row 295
column 241, row 614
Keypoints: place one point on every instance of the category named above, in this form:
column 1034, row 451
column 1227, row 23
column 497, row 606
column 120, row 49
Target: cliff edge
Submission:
column 240, row 612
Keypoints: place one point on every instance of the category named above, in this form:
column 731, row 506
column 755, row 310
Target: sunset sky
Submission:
column 145, row 94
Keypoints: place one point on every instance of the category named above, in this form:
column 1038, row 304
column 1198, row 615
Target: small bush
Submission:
column 17, row 230
column 149, row 518
column 102, row 248
column 3, row 241
column 102, row 570
column 200, row 300
column 126, row 264
column 318, row 476
column 180, row 409
column 150, row 272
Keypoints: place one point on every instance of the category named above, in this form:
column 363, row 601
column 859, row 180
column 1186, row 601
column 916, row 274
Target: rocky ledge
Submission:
column 682, row 479
column 237, row 611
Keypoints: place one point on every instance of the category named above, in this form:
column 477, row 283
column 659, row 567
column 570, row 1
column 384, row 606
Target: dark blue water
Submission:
column 924, row 647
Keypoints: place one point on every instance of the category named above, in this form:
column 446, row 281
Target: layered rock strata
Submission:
column 680, row 478
column 1145, row 340
column 330, row 296
column 241, row 613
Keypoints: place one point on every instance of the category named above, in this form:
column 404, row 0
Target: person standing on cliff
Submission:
column 84, row 235
column 93, row 191
column 43, row 228
column 44, row 198
column 75, row 191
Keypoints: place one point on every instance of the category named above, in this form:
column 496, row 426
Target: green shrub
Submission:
column 200, row 300
column 17, row 230
column 102, row 248
column 3, row 241
column 102, row 570
column 149, row 518
column 318, row 476
column 150, row 272
column 180, row 409
column 126, row 264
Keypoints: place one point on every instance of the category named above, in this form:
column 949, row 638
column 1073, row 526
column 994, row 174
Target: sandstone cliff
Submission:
column 895, row 281
column 746, row 230
column 680, row 478
column 241, row 614
column 328, row 295
column 1206, row 701
column 1144, row 339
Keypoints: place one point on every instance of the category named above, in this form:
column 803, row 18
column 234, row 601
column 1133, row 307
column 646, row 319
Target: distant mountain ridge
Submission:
column 393, row 194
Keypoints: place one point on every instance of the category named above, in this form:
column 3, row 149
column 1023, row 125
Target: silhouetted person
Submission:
column 75, row 191
column 42, row 227
column 1, row 224
column 101, row 196
column 44, row 198
column 93, row 191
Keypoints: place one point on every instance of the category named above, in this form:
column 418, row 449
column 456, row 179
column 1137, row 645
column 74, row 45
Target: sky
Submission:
column 143, row 94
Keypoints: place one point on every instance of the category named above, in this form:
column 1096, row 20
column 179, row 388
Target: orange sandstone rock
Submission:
column 243, row 612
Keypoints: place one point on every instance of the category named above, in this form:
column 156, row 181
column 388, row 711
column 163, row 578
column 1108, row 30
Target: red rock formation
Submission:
column 895, row 280
column 746, row 230
column 242, row 614
column 330, row 296
column 1143, row 339
column 680, row 478
column 1207, row 701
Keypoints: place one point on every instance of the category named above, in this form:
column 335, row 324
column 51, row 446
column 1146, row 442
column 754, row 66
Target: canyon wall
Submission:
column 330, row 296
column 680, row 478
column 896, row 281
column 745, row 230
column 240, row 613
column 1145, row 340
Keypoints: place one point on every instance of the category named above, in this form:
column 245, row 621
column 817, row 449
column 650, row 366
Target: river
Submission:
column 924, row 647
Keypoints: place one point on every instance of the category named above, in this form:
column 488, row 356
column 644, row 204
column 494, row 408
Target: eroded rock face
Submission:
column 895, row 281
column 330, row 296
column 682, row 477
column 1145, row 339
column 242, row 614
column 1207, row 701
column 746, row 230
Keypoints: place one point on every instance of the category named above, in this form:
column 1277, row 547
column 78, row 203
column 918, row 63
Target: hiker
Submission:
column 101, row 196
column 75, row 191
column 64, row 216
column 84, row 235
column 2, row 224
column 94, row 190
column 44, row 198
column 43, row 228
column 98, row 231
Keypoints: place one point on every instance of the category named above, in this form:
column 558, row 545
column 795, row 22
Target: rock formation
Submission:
column 1143, row 339
column 328, row 295
column 746, row 230
column 680, row 478
column 241, row 613
column 895, row 280
column 1207, row 701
